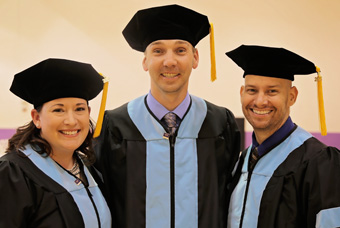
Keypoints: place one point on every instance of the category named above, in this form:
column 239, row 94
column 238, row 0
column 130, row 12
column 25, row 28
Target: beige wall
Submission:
column 90, row 31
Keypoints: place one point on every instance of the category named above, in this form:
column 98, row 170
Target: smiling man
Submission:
column 162, row 172
column 286, row 178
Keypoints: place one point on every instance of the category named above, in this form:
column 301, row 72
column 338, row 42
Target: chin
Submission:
column 258, row 125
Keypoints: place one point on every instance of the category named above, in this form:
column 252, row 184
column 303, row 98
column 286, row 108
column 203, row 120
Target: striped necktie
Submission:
column 171, row 122
column 254, row 156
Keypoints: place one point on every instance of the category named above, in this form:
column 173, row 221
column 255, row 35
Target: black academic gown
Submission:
column 122, row 154
column 29, row 198
column 302, row 191
column 305, row 184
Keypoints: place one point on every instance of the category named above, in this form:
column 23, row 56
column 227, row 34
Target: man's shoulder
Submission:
column 121, row 110
column 218, row 119
column 214, row 106
column 315, row 149
column 311, row 151
column 119, row 118
column 218, row 111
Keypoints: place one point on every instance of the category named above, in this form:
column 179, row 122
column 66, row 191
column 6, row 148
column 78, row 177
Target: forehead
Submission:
column 169, row 43
column 256, row 80
column 64, row 101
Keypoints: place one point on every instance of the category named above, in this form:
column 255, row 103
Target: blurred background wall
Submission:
column 90, row 31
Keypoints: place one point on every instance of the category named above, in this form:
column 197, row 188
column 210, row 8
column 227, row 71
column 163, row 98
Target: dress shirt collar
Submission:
column 159, row 110
column 275, row 138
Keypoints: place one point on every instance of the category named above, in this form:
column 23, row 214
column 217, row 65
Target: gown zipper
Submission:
column 172, row 140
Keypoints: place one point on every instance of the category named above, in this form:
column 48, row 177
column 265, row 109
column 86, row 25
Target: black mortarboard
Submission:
column 165, row 22
column 278, row 63
column 270, row 62
column 57, row 78
column 169, row 22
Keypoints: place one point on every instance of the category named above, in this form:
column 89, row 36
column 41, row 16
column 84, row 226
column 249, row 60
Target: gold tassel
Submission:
column 318, row 79
column 212, row 53
column 102, row 108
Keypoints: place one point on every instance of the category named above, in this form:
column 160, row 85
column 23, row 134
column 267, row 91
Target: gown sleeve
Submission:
column 235, row 139
column 234, row 142
column 304, row 190
column 29, row 198
column 101, row 146
column 321, row 189
column 15, row 196
column 105, row 146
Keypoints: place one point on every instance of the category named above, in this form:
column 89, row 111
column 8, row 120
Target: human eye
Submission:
column 251, row 90
column 181, row 50
column 273, row 92
column 80, row 109
column 157, row 51
column 57, row 110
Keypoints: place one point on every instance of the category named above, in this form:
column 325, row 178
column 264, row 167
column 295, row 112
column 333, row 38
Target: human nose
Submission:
column 169, row 59
column 261, row 99
column 70, row 118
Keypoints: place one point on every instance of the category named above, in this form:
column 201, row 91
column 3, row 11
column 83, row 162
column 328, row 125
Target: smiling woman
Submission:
column 64, row 123
column 46, row 168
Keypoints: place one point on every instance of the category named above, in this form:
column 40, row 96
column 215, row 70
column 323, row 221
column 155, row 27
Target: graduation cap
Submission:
column 169, row 22
column 59, row 78
column 277, row 63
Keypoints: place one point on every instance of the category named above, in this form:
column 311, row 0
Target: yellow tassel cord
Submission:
column 212, row 53
column 318, row 79
column 102, row 108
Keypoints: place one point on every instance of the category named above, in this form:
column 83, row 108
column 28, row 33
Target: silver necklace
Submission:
column 75, row 169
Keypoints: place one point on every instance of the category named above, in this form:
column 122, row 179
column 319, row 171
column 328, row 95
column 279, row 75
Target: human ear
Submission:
column 241, row 92
column 196, row 59
column 293, row 93
column 35, row 118
column 144, row 63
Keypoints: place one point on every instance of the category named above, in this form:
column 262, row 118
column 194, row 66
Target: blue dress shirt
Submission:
column 275, row 138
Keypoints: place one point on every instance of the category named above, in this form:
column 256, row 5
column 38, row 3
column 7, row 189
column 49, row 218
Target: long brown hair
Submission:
column 29, row 134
